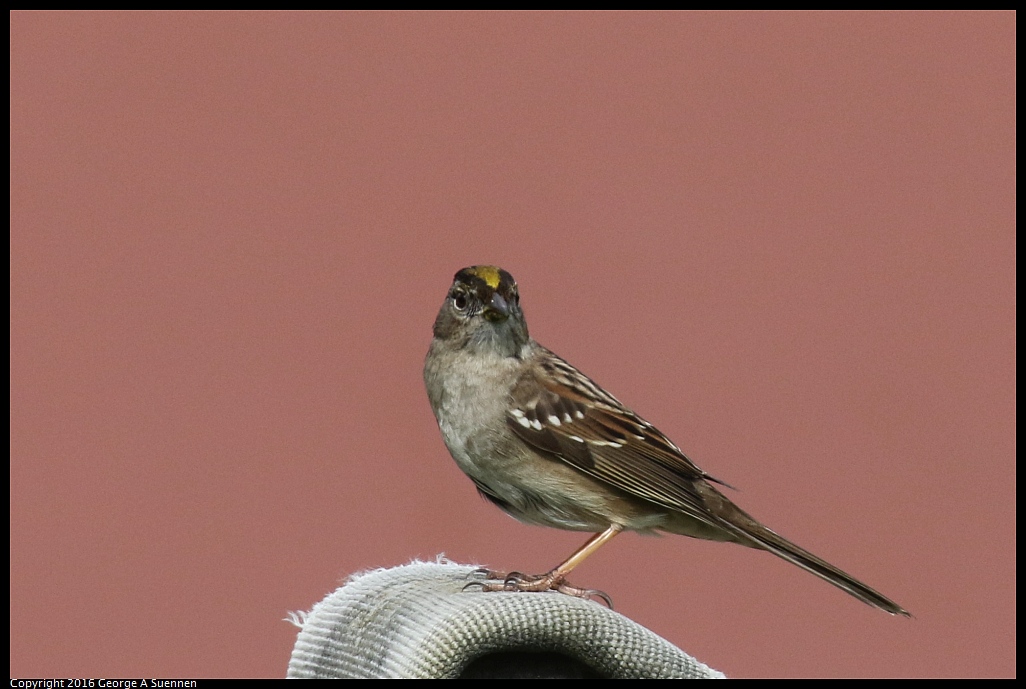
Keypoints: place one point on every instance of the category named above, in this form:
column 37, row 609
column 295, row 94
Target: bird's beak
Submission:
column 497, row 310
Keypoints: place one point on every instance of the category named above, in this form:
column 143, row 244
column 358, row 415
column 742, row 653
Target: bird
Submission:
column 550, row 447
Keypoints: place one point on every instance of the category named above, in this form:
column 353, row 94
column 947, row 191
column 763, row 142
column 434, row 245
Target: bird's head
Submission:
column 482, row 311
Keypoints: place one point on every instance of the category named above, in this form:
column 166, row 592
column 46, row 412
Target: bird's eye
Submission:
column 460, row 301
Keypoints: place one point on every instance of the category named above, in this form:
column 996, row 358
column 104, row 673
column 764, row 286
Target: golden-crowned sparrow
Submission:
column 550, row 447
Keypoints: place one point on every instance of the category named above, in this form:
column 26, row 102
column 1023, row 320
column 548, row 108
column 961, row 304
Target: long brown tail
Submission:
column 755, row 534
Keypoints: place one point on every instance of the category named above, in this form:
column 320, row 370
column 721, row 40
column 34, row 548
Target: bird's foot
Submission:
column 517, row 581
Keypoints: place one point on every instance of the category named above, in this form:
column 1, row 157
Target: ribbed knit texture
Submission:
column 416, row 621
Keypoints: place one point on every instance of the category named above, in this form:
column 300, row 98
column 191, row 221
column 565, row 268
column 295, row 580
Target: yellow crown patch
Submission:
column 490, row 274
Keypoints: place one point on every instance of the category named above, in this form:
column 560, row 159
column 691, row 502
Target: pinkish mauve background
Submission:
column 786, row 239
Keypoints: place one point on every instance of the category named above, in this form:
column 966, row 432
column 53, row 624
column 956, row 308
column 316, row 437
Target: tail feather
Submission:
column 783, row 548
column 751, row 532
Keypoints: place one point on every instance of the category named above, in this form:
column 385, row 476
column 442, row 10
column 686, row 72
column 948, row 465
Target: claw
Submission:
column 520, row 582
column 595, row 593
column 513, row 579
column 570, row 590
column 489, row 574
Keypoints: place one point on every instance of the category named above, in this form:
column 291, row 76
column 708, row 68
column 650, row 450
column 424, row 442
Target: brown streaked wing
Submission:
column 605, row 441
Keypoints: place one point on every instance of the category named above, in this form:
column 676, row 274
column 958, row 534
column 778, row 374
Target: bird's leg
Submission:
column 556, row 579
column 579, row 555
